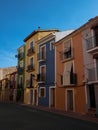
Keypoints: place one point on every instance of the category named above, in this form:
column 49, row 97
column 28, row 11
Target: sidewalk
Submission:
column 85, row 117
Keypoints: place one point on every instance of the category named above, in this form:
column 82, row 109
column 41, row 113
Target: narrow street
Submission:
column 18, row 117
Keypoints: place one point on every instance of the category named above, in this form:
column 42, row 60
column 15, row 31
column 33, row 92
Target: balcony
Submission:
column 66, row 54
column 20, row 70
column 30, row 68
column 20, row 86
column 93, row 74
column 71, row 81
column 41, row 56
column 92, row 44
column 29, row 84
column 30, row 51
column 20, row 56
column 41, row 78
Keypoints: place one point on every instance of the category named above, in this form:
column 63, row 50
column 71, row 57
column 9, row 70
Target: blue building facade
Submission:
column 46, row 71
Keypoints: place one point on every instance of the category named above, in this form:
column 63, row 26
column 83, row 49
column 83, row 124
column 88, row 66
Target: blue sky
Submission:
column 18, row 18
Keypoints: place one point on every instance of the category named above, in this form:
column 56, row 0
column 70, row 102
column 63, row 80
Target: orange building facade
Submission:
column 76, row 70
column 70, row 89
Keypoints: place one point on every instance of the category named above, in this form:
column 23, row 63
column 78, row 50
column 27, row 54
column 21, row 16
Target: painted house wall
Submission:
column 50, row 72
column 27, row 74
column 88, row 60
column 80, row 103
column 79, row 89
column 21, row 74
column 90, row 63
column 60, row 91
column 19, row 61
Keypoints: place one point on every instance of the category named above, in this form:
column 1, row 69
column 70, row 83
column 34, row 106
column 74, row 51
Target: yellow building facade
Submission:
column 31, row 65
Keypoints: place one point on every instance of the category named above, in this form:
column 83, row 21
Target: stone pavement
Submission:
column 85, row 117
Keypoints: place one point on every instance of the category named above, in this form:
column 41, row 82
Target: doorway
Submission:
column 35, row 97
column 70, row 100
column 31, row 96
column 92, row 96
column 52, row 97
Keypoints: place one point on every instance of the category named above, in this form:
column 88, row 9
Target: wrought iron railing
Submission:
column 41, row 77
column 20, row 70
column 20, row 55
column 72, row 79
column 66, row 54
column 30, row 51
column 30, row 68
column 41, row 56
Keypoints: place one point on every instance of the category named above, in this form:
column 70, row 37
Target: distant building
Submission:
column 5, row 71
column 8, row 87
column 21, row 73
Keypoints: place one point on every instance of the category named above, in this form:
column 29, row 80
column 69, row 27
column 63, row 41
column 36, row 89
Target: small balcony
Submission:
column 72, row 80
column 20, row 56
column 20, row 86
column 30, row 68
column 41, row 56
column 20, row 70
column 30, row 51
column 66, row 54
column 92, row 44
column 29, row 84
column 41, row 78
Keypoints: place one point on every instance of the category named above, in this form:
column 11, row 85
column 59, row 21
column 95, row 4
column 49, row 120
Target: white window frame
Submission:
column 73, row 98
column 41, row 50
column 21, row 64
column 64, row 70
column 50, row 95
column 71, row 45
column 21, row 76
column 41, row 67
column 44, row 92
column 30, row 60
column 52, row 46
column 30, row 43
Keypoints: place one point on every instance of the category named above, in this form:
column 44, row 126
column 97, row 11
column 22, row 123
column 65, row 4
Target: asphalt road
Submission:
column 17, row 117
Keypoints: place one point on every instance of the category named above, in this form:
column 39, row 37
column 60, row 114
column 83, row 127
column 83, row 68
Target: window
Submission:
column 42, row 92
column 67, row 73
column 51, row 45
column 21, row 49
column 31, row 61
column 43, row 52
column 21, row 64
column 61, row 78
column 31, row 44
column 67, row 49
column 31, row 80
column 20, row 80
column 42, row 72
